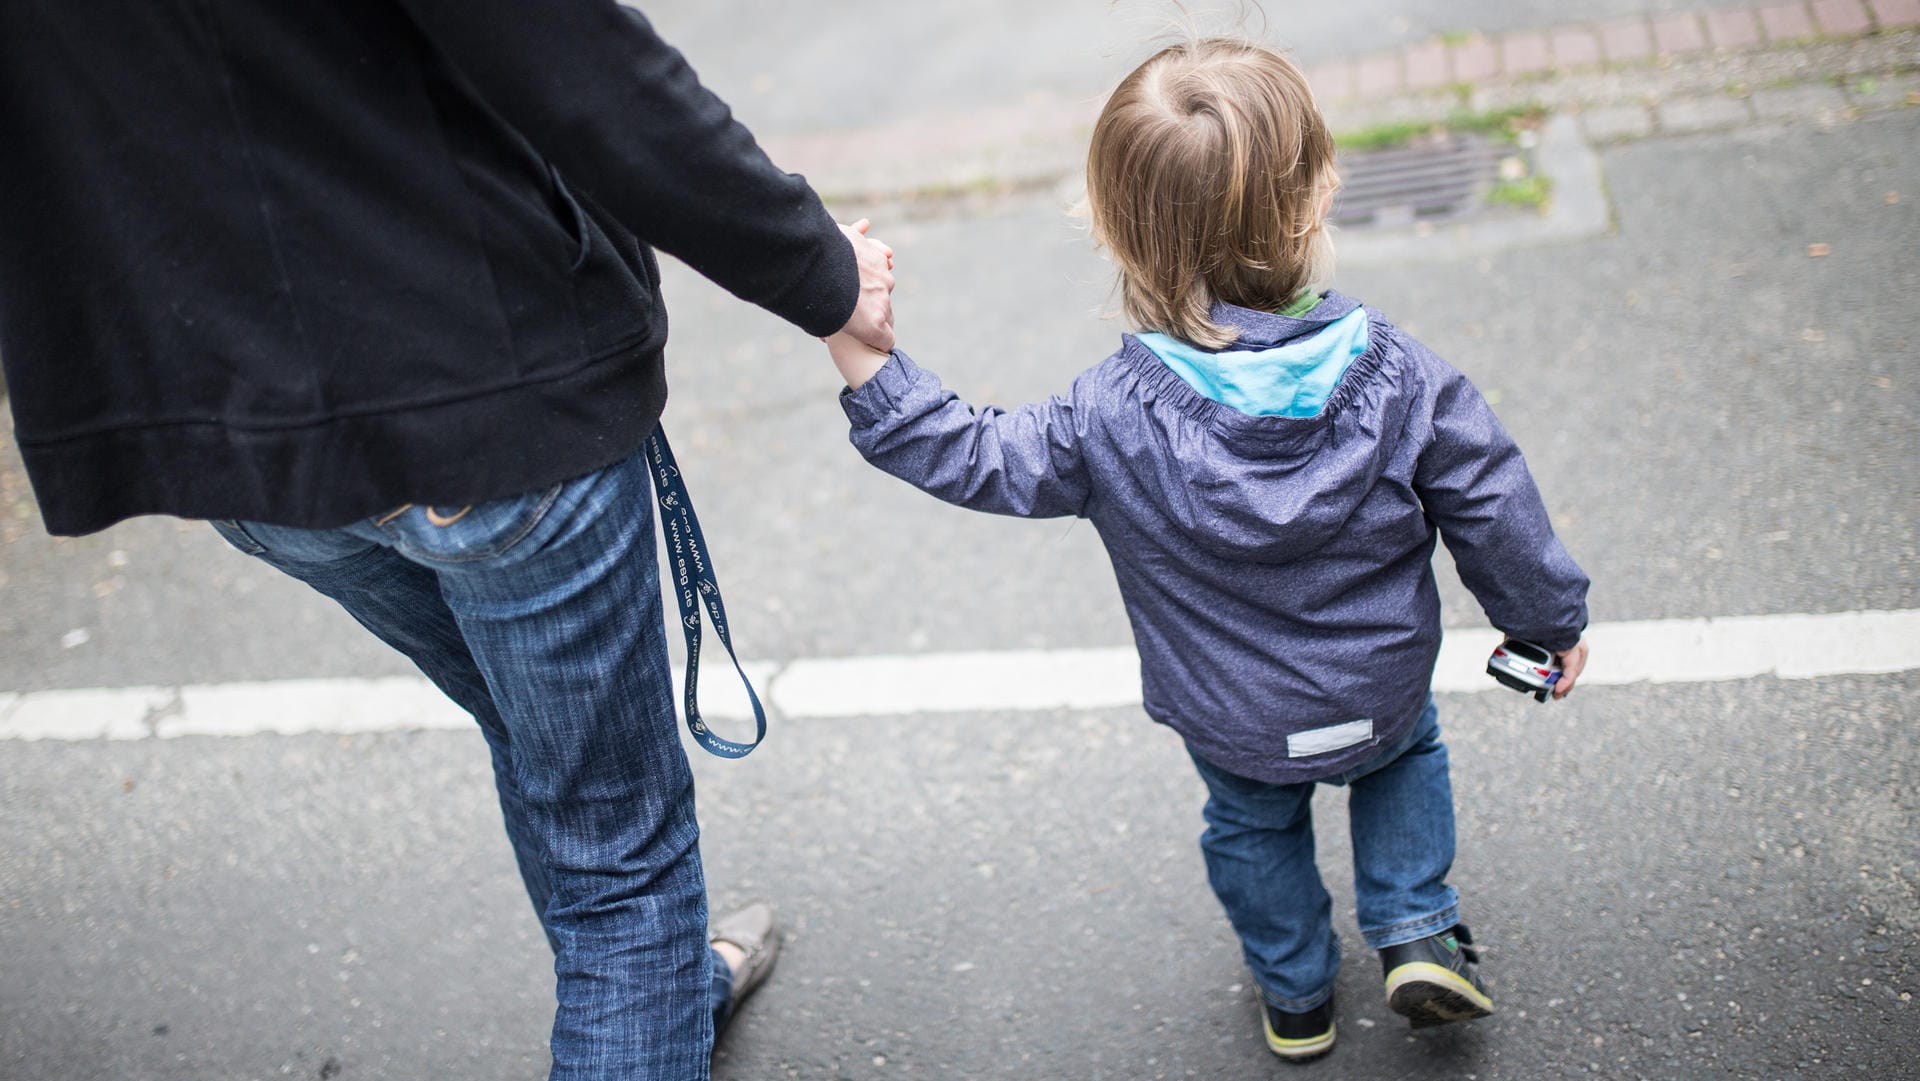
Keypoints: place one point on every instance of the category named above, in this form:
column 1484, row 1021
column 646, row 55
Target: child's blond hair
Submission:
column 1207, row 180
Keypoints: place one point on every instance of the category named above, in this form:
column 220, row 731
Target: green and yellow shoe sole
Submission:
column 1298, row 1050
column 1428, row 994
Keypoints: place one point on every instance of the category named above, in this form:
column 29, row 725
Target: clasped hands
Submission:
column 862, row 347
column 872, row 321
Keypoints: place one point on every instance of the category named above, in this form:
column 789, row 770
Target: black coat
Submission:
column 304, row 262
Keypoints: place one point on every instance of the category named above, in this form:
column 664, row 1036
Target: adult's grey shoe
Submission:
column 752, row 931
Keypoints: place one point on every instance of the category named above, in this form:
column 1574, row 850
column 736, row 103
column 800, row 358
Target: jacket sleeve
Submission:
column 1024, row 462
column 1476, row 488
column 621, row 115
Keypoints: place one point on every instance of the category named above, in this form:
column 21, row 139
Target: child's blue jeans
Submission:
column 1259, row 849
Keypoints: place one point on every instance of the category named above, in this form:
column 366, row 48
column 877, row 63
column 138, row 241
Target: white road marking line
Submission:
column 118, row 713
column 958, row 683
column 1806, row 646
column 289, row 707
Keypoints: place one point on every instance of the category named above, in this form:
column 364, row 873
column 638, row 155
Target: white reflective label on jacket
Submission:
column 1331, row 738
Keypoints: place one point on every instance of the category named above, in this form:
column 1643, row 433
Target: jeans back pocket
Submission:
column 468, row 533
column 236, row 534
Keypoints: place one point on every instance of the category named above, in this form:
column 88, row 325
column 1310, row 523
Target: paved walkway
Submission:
column 1821, row 61
column 1587, row 47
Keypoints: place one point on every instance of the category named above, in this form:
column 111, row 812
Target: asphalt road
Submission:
column 1662, row 895
column 1681, row 881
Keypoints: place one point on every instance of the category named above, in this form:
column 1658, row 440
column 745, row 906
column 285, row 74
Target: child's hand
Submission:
column 1571, row 662
column 856, row 359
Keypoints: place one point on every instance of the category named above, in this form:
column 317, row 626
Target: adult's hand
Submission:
column 872, row 321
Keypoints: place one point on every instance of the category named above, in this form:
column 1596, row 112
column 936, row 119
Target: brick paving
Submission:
column 1377, row 76
column 1627, row 42
column 1427, row 66
column 1786, row 22
column 1778, row 61
column 1841, row 18
column 1525, row 53
column 1737, row 28
column 1895, row 14
column 1575, row 47
column 1332, row 81
column 1475, row 60
column 1433, row 66
column 1677, row 35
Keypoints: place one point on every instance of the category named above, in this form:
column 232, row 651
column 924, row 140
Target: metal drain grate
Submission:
column 1430, row 181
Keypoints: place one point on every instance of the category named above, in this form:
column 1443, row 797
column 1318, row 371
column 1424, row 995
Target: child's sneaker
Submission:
column 1298, row 1037
column 1431, row 981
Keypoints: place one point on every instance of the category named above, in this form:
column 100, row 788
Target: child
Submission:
column 1267, row 466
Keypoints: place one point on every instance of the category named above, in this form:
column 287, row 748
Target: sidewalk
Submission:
column 1823, row 61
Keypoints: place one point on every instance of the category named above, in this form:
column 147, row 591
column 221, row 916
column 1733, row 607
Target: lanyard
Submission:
column 693, row 586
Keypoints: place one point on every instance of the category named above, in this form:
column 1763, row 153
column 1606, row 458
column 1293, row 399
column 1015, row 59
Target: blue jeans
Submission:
column 540, row 614
column 1259, row 850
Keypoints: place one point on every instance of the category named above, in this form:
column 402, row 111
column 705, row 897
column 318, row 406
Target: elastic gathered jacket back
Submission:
column 1277, row 571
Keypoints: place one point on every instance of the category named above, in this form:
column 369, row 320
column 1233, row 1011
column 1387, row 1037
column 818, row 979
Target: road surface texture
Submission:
column 1696, row 878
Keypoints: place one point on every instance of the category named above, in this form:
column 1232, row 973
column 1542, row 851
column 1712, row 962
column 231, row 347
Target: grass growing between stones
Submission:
column 1505, row 125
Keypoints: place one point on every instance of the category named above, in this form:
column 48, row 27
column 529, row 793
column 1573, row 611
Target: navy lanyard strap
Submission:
column 693, row 586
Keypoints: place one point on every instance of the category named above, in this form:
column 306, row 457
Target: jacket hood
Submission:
column 1265, row 488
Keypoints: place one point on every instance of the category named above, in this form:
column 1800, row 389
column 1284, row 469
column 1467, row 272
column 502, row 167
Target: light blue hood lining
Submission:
column 1291, row 380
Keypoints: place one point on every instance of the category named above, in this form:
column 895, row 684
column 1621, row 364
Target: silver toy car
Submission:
column 1525, row 666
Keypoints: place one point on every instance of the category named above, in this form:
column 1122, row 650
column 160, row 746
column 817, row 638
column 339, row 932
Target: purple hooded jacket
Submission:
column 1277, row 570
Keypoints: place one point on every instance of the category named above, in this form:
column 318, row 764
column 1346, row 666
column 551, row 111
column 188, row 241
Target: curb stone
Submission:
column 1616, row 123
column 1686, row 115
column 1883, row 58
column 1813, row 101
column 1880, row 91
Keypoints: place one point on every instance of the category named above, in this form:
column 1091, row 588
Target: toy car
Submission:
column 1525, row 666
